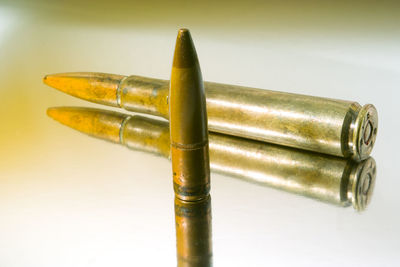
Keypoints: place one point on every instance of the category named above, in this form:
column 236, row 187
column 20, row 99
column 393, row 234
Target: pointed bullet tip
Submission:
column 183, row 31
column 49, row 79
column 185, row 54
column 56, row 112
column 46, row 79
column 52, row 80
column 49, row 112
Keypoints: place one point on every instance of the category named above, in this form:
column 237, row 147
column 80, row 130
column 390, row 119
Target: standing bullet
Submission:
column 188, row 123
column 189, row 155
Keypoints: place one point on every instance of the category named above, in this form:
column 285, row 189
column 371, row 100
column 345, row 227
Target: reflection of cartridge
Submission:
column 193, row 232
column 331, row 179
column 335, row 127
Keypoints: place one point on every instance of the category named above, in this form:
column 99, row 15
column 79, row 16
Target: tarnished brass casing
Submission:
column 193, row 232
column 330, row 126
column 188, row 123
column 331, row 179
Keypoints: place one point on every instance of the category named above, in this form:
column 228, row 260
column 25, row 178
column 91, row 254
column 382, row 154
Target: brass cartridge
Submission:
column 330, row 179
column 188, row 123
column 336, row 127
column 193, row 232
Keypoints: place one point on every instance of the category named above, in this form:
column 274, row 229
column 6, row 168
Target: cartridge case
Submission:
column 329, row 126
column 193, row 232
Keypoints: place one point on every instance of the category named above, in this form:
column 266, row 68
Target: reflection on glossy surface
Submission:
column 329, row 126
column 334, row 180
column 193, row 232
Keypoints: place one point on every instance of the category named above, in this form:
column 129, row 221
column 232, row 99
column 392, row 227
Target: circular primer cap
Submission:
column 363, row 184
column 366, row 129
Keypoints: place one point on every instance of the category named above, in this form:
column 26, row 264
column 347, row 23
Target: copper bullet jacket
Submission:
column 99, row 88
column 188, row 123
column 327, row 178
column 193, row 232
column 329, row 126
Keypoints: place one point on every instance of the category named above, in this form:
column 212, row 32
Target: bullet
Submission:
column 98, row 88
column 190, row 156
column 334, row 180
column 193, row 232
column 335, row 127
column 188, row 123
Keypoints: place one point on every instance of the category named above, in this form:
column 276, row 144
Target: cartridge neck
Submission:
column 144, row 95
